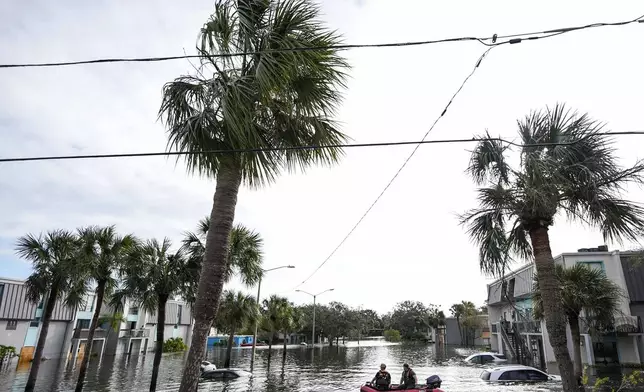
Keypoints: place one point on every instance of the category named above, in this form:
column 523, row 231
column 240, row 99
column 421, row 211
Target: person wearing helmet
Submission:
column 408, row 379
column 382, row 379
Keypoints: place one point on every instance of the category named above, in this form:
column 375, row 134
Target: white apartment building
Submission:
column 20, row 323
column 515, row 332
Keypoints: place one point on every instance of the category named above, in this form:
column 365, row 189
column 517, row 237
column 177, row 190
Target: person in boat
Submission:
column 382, row 379
column 408, row 380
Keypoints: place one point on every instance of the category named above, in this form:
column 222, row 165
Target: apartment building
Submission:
column 20, row 323
column 515, row 332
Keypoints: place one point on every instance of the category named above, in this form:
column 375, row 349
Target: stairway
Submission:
column 516, row 347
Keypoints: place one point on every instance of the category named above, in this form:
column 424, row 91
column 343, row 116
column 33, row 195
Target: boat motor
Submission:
column 433, row 383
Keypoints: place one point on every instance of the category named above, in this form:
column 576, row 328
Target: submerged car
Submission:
column 223, row 374
column 206, row 366
column 485, row 358
column 518, row 373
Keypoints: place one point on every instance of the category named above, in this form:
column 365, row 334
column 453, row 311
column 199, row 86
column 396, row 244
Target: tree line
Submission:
column 69, row 265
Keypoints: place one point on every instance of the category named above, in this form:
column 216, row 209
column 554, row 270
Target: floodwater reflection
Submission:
column 329, row 369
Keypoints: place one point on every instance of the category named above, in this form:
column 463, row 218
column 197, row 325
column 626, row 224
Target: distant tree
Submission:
column 275, row 311
column 411, row 318
column 237, row 309
column 457, row 311
column 392, row 335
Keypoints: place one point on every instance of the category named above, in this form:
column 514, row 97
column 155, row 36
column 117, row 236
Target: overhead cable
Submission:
column 494, row 40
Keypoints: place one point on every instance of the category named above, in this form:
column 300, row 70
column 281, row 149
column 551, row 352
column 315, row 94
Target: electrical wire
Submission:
column 310, row 147
column 488, row 41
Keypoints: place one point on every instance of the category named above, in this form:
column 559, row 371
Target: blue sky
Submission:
column 393, row 94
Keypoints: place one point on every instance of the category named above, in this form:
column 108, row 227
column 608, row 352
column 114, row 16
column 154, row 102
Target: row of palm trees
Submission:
column 69, row 265
column 240, row 311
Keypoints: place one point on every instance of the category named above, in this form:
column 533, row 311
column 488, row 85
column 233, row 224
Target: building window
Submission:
column 504, row 290
column 598, row 265
column 12, row 325
column 35, row 322
column 40, row 304
column 179, row 314
column 1, row 292
column 510, row 292
column 82, row 323
column 88, row 306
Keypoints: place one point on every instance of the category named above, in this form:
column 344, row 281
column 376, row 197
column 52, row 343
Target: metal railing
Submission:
column 528, row 326
column 99, row 333
column 134, row 333
column 620, row 324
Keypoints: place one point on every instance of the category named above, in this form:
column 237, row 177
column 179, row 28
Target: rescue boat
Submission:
column 433, row 385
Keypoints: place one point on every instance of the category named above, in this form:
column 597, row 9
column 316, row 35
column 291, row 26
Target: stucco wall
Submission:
column 15, row 337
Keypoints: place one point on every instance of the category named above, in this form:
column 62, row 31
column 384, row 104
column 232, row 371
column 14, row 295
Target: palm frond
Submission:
column 488, row 162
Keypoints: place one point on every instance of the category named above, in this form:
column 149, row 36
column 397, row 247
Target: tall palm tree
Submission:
column 152, row 276
column 103, row 252
column 577, row 178
column 275, row 100
column 55, row 275
column 582, row 289
column 236, row 310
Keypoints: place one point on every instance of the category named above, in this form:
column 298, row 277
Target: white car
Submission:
column 485, row 358
column 518, row 373
column 207, row 366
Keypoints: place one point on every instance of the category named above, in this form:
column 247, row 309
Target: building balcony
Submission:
column 531, row 326
column 99, row 333
column 134, row 333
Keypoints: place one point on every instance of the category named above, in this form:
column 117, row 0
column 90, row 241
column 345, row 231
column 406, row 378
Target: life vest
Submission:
column 383, row 378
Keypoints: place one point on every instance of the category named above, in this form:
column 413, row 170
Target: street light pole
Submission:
column 259, row 287
column 314, row 301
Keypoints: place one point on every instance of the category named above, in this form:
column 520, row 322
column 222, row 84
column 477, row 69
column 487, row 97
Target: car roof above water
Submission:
column 512, row 367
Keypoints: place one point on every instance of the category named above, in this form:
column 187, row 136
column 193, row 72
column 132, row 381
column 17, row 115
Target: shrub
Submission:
column 392, row 335
column 174, row 345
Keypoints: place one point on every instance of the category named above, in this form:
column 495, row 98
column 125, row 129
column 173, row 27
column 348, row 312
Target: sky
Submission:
column 410, row 247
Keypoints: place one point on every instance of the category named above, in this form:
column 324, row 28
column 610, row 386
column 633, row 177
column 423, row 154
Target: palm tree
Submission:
column 458, row 311
column 275, row 310
column 578, row 177
column 245, row 255
column 236, row 310
column 291, row 321
column 56, row 275
column 275, row 100
column 103, row 252
column 153, row 275
column 583, row 288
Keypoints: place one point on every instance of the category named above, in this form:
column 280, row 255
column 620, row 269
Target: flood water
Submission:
column 328, row 369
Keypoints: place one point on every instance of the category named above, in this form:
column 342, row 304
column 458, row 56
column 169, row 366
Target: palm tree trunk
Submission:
column 100, row 292
column 158, row 347
column 284, row 353
column 211, row 280
column 573, row 321
column 229, row 349
column 553, row 306
column 42, row 338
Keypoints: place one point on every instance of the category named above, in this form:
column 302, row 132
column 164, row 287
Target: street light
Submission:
column 259, row 287
column 314, row 297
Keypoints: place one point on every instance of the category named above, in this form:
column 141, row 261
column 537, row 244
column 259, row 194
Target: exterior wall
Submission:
column 452, row 334
column 15, row 338
column 56, row 339
column 627, row 349
column 14, row 304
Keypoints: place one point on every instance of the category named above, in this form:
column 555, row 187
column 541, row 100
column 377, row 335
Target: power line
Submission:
column 488, row 41
column 309, row 147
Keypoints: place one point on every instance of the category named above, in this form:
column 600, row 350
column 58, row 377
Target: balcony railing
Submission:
column 620, row 324
column 133, row 311
column 99, row 333
column 528, row 326
column 134, row 333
